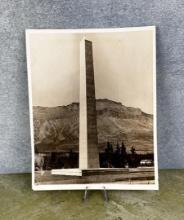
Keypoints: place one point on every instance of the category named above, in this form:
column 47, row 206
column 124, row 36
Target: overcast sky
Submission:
column 123, row 64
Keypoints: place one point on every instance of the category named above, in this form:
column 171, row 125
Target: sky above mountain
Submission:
column 123, row 64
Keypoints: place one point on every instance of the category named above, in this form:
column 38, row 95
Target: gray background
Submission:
column 16, row 16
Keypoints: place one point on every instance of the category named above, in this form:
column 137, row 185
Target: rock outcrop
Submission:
column 57, row 128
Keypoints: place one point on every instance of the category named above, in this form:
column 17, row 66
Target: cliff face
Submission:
column 58, row 127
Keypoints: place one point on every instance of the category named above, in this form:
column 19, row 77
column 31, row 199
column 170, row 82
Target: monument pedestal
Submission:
column 99, row 175
column 67, row 172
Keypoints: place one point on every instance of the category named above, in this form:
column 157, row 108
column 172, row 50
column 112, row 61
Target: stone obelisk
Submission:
column 88, row 139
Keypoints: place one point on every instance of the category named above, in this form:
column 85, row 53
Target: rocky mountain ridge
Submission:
column 57, row 128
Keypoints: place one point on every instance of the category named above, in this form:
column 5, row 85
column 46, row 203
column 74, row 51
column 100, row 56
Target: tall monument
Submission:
column 88, row 139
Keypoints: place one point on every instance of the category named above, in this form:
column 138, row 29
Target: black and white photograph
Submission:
column 92, row 100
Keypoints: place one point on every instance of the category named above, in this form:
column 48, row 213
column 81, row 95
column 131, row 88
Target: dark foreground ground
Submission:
column 113, row 175
column 18, row 201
